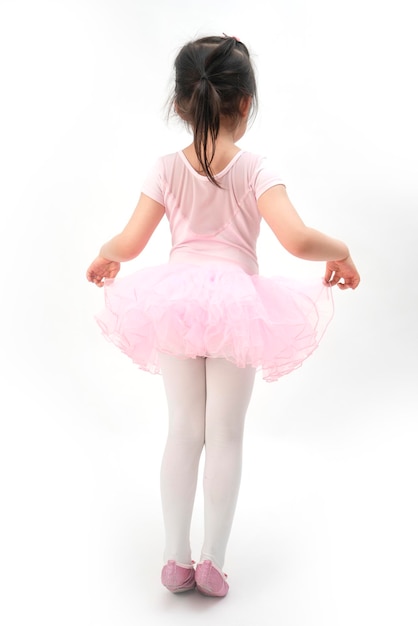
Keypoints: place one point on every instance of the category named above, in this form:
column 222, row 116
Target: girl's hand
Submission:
column 102, row 268
column 342, row 273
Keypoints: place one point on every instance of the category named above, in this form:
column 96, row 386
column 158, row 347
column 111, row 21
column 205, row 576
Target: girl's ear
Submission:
column 245, row 106
column 178, row 111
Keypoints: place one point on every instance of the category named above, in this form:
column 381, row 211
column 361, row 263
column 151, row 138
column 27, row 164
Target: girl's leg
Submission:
column 228, row 393
column 185, row 386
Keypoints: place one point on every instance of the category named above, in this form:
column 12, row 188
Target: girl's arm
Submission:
column 304, row 242
column 129, row 243
column 137, row 232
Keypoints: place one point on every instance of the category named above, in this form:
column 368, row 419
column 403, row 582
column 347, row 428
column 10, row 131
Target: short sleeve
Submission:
column 265, row 177
column 152, row 186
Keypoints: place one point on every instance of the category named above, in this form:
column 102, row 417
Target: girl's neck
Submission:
column 223, row 155
column 225, row 150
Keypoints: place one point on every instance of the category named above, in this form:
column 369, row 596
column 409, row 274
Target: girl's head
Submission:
column 214, row 84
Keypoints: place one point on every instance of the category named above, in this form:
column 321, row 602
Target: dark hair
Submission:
column 212, row 76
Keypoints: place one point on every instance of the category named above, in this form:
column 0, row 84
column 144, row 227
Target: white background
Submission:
column 325, row 532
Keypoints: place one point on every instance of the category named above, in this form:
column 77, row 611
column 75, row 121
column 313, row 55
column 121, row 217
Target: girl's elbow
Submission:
column 298, row 246
column 121, row 249
column 131, row 244
column 131, row 251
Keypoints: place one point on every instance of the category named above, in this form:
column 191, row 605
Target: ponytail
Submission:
column 205, row 111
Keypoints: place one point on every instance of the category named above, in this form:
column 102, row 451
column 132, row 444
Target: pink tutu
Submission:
column 188, row 310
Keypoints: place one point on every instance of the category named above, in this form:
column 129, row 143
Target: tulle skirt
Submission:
column 189, row 311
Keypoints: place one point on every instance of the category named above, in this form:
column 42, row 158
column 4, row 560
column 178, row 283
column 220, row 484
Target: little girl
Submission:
column 206, row 320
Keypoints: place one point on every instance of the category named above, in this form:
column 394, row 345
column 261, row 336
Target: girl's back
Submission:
column 210, row 222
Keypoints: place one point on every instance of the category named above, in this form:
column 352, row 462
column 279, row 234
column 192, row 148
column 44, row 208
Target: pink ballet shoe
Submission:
column 178, row 577
column 210, row 580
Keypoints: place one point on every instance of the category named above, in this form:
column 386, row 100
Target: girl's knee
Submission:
column 224, row 429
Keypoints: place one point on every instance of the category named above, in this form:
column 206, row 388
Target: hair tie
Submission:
column 232, row 37
column 204, row 76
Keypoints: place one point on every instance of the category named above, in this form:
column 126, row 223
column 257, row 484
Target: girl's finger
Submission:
column 328, row 275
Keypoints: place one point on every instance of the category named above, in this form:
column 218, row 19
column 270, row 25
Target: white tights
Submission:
column 207, row 402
